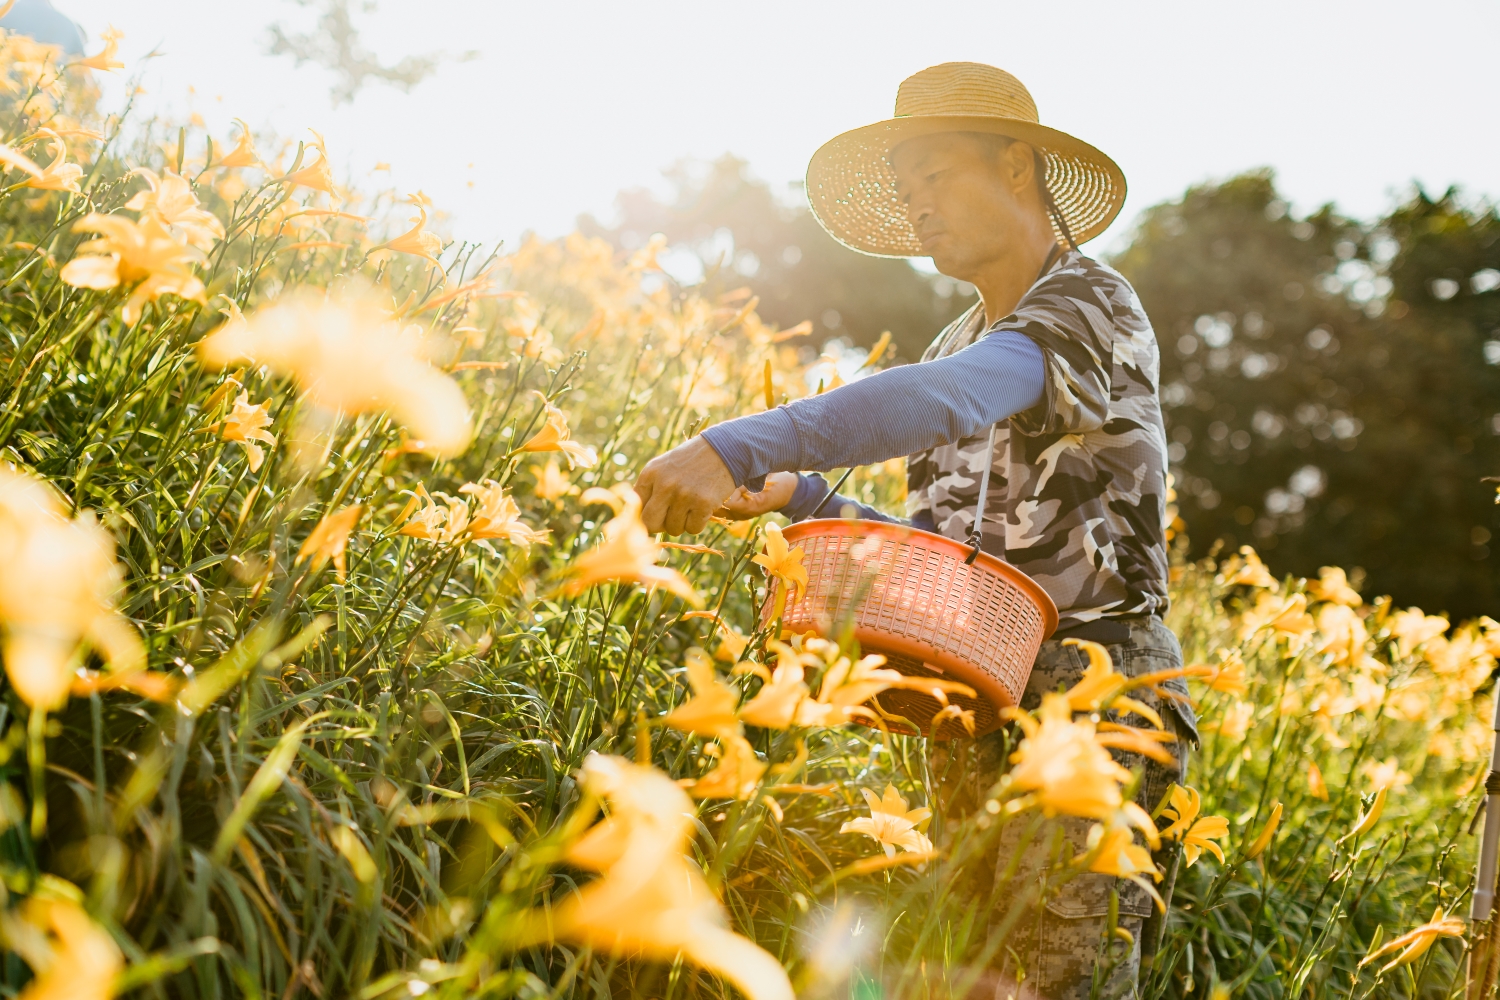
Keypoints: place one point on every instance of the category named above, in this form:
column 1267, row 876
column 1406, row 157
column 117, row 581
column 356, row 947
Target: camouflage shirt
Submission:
column 1077, row 485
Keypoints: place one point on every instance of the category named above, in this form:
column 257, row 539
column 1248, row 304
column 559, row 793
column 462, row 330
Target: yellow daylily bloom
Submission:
column 1386, row 774
column 711, row 709
column 245, row 425
column 59, row 175
column 105, row 60
column 1344, row 634
column 170, row 198
column 1196, row 832
column 243, row 154
column 731, row 644
column 71, row 956
column 1367, row 820
column 144, row 254
column 1248, row 571
column 1234, row 722
column 776, row 704
column 848, row 685
column 554, row 436
column 498, row 516
column 1315, row 783
column 1064, row 767
column 784, row 563
column 878, row 351
column 551, row 482
column 650, row 901
column 348, row 355
column 18, row 161
column 1228, row 676
column 1414, row 943
column 736, row 776
column 316, row 176
column 416, row 241
column 1100, row 685
column 426, row 519
column 329, row 539
column 628, row 552
column 1259, row 845
column 890, row 824
column 1286, row 617
column 1332, row 585
column 1112, row 850
column 57, row 594
column 1146, row 742
column 1413, row 628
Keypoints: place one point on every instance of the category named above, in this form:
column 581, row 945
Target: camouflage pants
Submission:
column 1055, row 950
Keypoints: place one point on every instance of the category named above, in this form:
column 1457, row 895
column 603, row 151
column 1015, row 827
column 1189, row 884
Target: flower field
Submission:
column 339, row 662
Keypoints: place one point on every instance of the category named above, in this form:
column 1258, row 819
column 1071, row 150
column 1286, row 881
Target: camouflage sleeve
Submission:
column 1070, row 317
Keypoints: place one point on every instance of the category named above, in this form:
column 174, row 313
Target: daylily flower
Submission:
column 1412, row 628
column 776, row 705
column 1386, row 774
column 1064, row 767
column 499, row 516
column 56, row 594
column 1333, row 585
column 245, row 425
column 1367, row 820
column 1315, row 783
column 782, row 563
column 316, row 175
column 19, row 161
column 170, row 197
column 711, row 710
column 105, row 60
column 1247, row 570
column 1286, row 617
column 71, row 956
column 628, row 552
column 890, row 824
column 59, row 175
column 348, row 355
column 243, row 154
column 736, row 776
column 144, row 254
column 848, row 685
column 1258, row 847
column 1112, row 850
column 1196, row 832
column 330, row 540
column 416, row 241
column 1414, row 943
column 1234, row 721
column 1228, row 676
column 1100, row 685
column 551, row 483
column 649, row 901
column 424, row 518
column 1146, row 742
column 554, row 436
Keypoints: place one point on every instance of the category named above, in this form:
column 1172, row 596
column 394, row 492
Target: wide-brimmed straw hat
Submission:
column 852, row 186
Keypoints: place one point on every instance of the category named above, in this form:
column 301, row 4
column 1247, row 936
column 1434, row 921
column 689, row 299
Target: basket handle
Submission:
column 984, row 490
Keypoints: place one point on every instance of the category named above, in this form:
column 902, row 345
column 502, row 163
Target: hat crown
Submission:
column 965, row 88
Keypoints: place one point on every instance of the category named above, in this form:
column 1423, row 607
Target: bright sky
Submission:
column 570, row 102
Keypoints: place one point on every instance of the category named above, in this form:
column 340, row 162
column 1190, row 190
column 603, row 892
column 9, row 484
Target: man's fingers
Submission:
column 643, row 486
column 672, row 524
column 655, row 512
column 696, row 521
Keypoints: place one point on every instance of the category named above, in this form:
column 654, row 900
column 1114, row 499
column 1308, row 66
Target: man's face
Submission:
column 962, row 197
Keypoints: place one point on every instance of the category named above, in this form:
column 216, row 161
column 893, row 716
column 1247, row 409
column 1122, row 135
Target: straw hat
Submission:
column 852, row 186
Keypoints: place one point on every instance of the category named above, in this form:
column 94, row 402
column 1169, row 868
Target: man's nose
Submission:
column 918, row 212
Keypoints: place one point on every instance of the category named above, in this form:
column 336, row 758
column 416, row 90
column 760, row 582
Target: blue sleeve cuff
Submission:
column 753, row 446
column 809, row 493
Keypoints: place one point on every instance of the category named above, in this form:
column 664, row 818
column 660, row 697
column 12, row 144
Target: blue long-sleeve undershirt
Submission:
column 896, row 412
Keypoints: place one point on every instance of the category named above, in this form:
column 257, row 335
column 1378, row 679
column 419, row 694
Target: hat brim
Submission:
column 851, row 185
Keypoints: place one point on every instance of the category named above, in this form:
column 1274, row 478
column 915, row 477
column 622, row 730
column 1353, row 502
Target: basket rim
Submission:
column 931, row 540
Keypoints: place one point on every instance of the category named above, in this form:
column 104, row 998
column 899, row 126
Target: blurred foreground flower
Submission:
column 71, row 957
column 711, row 709
column 1196, row 832
column 329, row 539
column 628, row 552
column 57, row 594
column 348, row 355
column 736, row 776
column 554, row 436
column 144, row 254
column 649, row 900
column 1414, row 943
column 890, row 824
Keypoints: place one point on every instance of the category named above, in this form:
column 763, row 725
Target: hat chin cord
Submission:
column 1047, row 200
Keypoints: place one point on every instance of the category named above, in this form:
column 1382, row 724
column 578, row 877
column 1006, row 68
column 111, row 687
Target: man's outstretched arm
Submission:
column 890, row 414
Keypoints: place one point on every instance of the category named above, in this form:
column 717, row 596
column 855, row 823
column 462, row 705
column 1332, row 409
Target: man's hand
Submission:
column 681, row 489
column 743, row 505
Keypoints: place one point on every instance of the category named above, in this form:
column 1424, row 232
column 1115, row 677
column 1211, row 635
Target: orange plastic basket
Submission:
column 913, row 598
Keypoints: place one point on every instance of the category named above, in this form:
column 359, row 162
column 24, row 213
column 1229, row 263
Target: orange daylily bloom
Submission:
column 736, row 776
column 551, row 483
column 71, row 956
column 890, row 824
column 348, row 355
column 243, row 154
column 649, row 901
column 555, row 436
column 144, row 254
column 416, row 241
column 424, row 518
column 1100, row 685
column 170, row 197
column 1196, row 832
column 1064, row 767
column 777, row 703
column 1412, row 628
column 1113, row 851
column 1315, row 783
column 317, row 175
column 628, row 552
column 1332, row 584
column 1414, row 943
column 1247, row 570
column 498, row 516
column 57, row 594
column 1286, row 617
column 1258, row 847
column 105, row 60
column 59, row 175
column 711, row 709
column 245, row 425
column 1146, row 742
column 330, row 540
column 783, row 563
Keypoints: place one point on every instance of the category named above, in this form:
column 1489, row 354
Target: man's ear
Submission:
column 1018, row 166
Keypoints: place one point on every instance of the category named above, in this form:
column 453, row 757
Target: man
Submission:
column 1059, row 358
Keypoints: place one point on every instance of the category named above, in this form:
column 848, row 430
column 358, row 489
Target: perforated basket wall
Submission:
column 913, row 599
